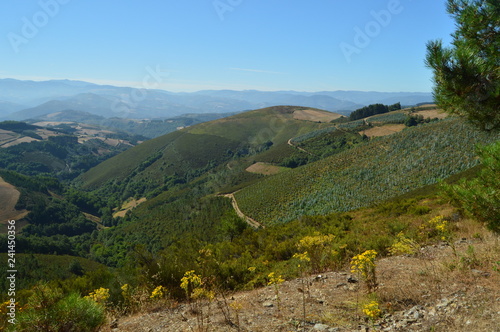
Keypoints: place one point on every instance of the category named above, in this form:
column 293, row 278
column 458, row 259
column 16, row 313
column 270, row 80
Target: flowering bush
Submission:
column 158, row 293
column 403, row 246
column 99, row 296
column 275, row 280
column 372, row 310
column 193, row 285
column 437, row 227
column 364, row 265
column 318, row 250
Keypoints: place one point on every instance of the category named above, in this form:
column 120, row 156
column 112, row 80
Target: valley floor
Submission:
column 439, row 289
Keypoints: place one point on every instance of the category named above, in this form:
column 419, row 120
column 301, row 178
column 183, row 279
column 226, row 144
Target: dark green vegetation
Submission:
column 180, row 157
column 57, row 224
column 184, row 225
column 56, row 151
column 374, row 109
column 467, row 74
column 381, row 169
column 480, row 197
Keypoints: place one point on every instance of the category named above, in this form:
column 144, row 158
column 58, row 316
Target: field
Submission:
column 9, row 196
column 383, row 130
column 315, row 115
column 127, row 206
column 431, row 114
column 265, row 169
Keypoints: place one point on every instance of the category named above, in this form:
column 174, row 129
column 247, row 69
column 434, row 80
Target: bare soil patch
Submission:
column 315, row 115
column 50, row 123
column 128, row 205
column 431, row 114
column 25, row 139
column 264, row 169
column 383, row 130
column 45, row 133
column 9, row 196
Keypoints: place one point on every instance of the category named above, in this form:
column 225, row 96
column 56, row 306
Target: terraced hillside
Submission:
column 379, row 169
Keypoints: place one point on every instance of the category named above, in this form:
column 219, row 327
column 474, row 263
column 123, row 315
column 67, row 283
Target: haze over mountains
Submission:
column 20, row 100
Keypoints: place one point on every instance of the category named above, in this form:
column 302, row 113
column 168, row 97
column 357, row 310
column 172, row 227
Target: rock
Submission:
column 480, row 273
column 415, row 312
column 444, row 303
column 352, row 280
column 268, row 304
column 321, row 327
column 319, row 278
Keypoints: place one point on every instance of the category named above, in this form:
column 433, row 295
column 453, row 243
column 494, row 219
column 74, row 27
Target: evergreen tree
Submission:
column 480, row 197
column 467, row 74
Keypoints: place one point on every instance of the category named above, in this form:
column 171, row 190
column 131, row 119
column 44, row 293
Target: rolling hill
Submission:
column 180, row 172
column 203, row 146
column 147, row 128
column 368, row 173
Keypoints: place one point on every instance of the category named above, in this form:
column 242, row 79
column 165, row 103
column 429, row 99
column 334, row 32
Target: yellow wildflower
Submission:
column 158, row 292
column 372, row 310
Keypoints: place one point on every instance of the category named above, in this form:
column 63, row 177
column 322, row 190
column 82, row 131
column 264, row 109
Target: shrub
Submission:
column 364, row 265
column 49, row 310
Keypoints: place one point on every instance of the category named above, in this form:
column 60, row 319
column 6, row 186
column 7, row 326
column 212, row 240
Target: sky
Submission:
column 191, row 45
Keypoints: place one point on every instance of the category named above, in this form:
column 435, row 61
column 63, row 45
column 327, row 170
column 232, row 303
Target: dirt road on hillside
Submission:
column 252, row 222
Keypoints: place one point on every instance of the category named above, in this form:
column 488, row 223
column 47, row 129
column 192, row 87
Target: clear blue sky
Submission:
column 241, row 44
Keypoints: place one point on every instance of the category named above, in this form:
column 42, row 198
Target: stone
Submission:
column 352, row 280
column 481, row 273
column 268, row 304
column 321, row 327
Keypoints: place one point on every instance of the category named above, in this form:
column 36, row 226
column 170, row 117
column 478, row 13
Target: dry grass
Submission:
column 456, row 287
column 431, row 114
column 383, row 130
column 315, row 115
column 130, row 204
column 265, row 169
column 9, row 196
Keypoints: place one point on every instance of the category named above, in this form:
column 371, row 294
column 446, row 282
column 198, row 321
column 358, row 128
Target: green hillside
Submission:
column 183, row 155
column 370, row 172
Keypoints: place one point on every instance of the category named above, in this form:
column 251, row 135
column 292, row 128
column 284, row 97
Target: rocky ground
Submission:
column 436, row 290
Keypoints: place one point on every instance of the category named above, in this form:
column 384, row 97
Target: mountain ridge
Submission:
column 155, row 103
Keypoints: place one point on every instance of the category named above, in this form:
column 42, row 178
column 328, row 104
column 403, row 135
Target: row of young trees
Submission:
column 373, row 109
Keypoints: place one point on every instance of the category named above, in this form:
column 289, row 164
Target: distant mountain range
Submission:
column 20, row 100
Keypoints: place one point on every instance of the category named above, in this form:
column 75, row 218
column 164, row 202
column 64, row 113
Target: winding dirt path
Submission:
column 298, row 148
column 252, row 222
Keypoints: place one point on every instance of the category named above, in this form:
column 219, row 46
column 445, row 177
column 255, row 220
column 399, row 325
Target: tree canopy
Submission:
column 467, row 74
